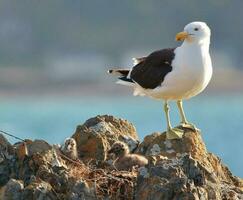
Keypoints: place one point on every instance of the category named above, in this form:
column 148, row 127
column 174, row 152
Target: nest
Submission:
column 106, row 183
column 113, row 184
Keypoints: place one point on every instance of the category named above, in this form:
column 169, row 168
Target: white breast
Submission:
column 191, row 73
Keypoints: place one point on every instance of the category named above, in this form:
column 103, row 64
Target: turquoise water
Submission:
column 219, row 118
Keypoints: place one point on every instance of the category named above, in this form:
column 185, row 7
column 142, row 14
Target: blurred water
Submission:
column 220, row 118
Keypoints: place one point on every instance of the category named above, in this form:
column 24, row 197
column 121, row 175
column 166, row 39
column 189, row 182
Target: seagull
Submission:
column 173, row 74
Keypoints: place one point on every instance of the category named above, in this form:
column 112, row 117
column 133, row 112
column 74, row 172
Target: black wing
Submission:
column 150, row 73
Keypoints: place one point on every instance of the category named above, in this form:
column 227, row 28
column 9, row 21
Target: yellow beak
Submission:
column 181, row 36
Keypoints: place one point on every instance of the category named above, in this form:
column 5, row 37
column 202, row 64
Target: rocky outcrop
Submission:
column 177, row 169
column 97, row 134
column 183, row 169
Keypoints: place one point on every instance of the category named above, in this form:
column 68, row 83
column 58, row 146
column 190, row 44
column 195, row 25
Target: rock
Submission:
column 21, row 150
column 149, row 139
column 183, row 169
column 157, row 144
column 5, row 172
column 39, row 190
column 177, row 170
column 12, row 190
column 29, row 148
column 6, row 149
column 37, row 146
column 55, row 175
column 96, row 135
column 6, row 154
column 81, row 191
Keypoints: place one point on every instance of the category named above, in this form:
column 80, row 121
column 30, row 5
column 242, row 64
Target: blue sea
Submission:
column 220, row 119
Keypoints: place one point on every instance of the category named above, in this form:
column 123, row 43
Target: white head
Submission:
column 195, row 32
column 70, row 144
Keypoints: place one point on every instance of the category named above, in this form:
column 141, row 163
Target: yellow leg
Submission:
column 184, row 122
column 172, row 133
column 182, row 114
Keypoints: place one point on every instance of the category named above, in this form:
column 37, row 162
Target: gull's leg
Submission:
column 172, row 133
column 184, row 122
column 182, row 114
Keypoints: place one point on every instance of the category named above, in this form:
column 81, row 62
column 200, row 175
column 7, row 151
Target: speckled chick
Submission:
column 70, row 148
column 124, row 159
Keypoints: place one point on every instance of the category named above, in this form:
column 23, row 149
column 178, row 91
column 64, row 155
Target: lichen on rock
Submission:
column 183, row 169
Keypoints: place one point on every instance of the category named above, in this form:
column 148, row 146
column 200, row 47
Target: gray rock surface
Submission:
column 37, row 146
column 97, row 134
column 183, row 169
column 6, row 149
column 13, row 190
column 39, row 190
column 81, row 191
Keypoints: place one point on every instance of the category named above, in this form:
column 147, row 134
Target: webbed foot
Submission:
column 189, row 126
column 174, row 133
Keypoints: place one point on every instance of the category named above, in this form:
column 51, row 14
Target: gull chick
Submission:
column 70, row 148
column 124, row 159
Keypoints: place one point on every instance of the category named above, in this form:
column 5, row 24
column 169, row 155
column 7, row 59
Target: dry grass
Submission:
column 114, row 184
column 106, row 183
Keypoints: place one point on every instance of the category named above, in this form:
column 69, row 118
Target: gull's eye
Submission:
column 195, row 29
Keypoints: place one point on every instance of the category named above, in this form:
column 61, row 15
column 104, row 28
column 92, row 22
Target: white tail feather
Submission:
column 113, row 72
column 118, row 72
column 137, row 91
column 121, row 82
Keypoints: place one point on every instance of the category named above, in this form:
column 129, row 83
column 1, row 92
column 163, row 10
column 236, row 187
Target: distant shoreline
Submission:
column 102, row 90
column 225, row 81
